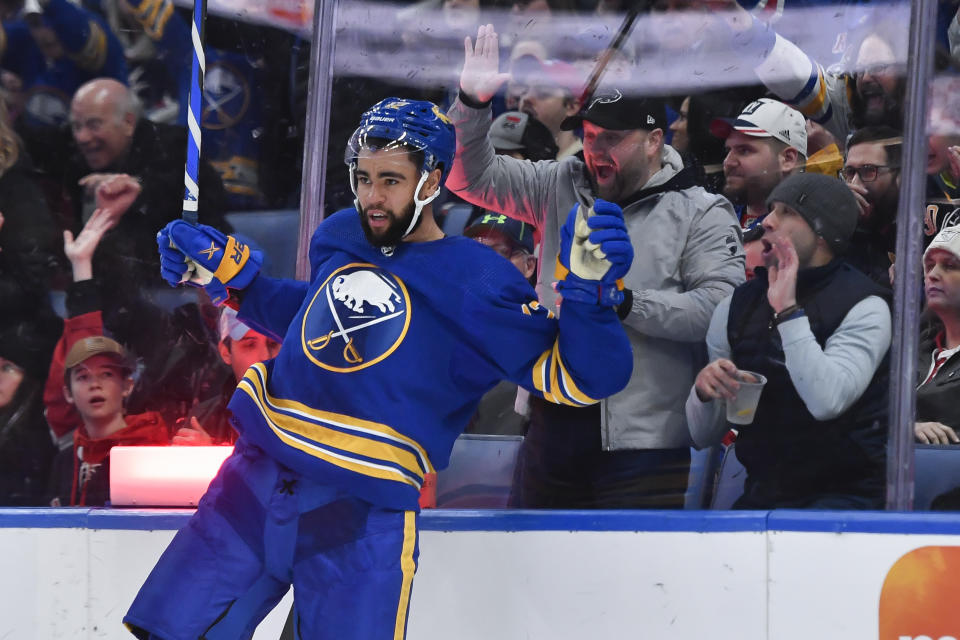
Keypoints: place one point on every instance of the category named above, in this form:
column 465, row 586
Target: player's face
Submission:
column 618, row 162
column 11, row 376
column 98, row 386
column 751, row 169
column 252, row 348
column 101, row 132
column 941, row 279
column 386, row 181
column 784, row 222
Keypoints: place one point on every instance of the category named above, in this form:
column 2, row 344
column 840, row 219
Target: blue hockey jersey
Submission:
column 92, row 51
column 385, row 358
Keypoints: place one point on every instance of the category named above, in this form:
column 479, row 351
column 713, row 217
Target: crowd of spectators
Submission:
column 761, row 197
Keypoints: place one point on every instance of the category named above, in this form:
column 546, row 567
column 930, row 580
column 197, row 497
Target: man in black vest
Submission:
column 819, row 331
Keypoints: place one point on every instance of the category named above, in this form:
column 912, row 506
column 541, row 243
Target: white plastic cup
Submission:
column 743, row 407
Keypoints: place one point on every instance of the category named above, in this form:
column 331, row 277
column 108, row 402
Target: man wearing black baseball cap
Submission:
column 622, row 142
column 688, row 256
column 818, row 330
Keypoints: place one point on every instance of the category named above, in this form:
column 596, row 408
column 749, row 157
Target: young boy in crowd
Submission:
column 91, row 375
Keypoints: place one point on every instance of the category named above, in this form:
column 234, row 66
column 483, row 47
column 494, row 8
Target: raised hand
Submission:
column 80, row 250
column 203, row 256
column 782, row 276
column 596, row 252
column 481, row 77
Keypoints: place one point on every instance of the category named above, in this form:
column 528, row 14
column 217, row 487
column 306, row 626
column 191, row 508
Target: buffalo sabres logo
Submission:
column 358, row 317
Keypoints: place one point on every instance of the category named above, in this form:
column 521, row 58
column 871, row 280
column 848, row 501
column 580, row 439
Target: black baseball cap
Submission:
column 519, row 233
column 612, row 109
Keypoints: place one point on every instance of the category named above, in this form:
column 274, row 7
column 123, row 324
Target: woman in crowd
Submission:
column 938, row 396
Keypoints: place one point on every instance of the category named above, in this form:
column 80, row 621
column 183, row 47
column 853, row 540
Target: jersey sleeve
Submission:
column 89, row 41
column 270, row 305
column 576, row 359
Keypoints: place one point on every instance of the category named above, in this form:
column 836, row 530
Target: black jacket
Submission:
column 939, row 399
column 789, row 455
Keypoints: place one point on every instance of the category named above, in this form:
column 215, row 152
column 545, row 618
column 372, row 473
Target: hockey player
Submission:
column 386, row 353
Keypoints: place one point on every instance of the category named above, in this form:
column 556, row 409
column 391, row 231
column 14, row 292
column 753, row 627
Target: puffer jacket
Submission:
column 688, row 255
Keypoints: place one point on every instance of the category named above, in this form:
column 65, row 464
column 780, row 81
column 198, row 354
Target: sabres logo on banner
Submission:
column 358, row 317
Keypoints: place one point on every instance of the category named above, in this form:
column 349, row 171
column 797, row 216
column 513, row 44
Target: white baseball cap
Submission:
column 766, row 118
column 230, row 325
column 947, row 240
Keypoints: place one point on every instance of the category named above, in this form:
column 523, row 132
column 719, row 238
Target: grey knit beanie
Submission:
column 827, row 204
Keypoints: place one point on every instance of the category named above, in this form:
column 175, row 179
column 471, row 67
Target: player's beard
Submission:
column 393, row 234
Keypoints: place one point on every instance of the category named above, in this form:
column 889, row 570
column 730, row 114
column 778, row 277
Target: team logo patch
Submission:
column 358, row 317
column 226, row 96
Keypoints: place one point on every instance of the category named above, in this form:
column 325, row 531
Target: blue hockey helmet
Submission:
column 407, row 126
column 415, row 124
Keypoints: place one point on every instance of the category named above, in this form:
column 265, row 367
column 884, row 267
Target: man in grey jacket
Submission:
column 632, row 450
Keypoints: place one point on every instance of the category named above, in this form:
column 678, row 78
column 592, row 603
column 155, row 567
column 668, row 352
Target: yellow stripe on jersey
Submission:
column 816, row 105
column 540, row 376
column 156, row 28
column 408, row 566
column 315, row 435
column 94, row 53
column 153, row 15
column 551, row 378
column 569, row 386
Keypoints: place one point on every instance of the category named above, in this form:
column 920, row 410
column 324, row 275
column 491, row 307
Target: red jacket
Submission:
column 81, row 472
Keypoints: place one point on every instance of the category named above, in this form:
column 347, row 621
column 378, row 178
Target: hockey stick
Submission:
column 191, row 172
column 625, row 27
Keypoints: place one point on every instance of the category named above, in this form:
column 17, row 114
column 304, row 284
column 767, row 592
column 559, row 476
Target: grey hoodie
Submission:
column 688, row 256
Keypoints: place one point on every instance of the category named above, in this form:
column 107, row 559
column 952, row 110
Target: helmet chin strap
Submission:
column 420, row 204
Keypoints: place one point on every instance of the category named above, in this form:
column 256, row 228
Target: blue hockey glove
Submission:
column 202, row 256
column 595, row 254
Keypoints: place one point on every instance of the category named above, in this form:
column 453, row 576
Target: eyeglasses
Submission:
column 867, row 173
